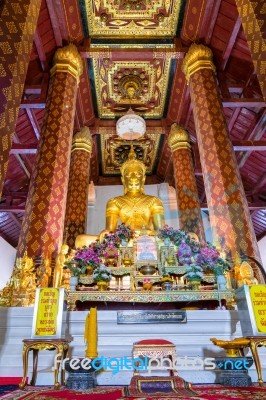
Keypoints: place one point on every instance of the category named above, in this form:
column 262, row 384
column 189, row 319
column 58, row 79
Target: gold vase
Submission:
column 102, row 285
column 89, row 270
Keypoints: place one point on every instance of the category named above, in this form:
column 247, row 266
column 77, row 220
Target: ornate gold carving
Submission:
column 133, row 18
column 67, row 59
column 83, row 140
column 131, row 86
column 111, row 145
column 198, row 57
column 112, row 82
column 20, row 291
column 178, row 138
column 133, row 162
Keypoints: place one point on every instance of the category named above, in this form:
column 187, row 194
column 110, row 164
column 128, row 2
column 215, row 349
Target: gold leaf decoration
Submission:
column 159, row 72
column 145, row 23
column 118, row 22
column 102, row 72
column 104, row 95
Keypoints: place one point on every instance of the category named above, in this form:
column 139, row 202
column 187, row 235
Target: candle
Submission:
column 91, row 333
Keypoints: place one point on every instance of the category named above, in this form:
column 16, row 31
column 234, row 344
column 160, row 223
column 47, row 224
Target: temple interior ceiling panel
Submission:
column 114, row 150
column 148, row 79
column 132, row 18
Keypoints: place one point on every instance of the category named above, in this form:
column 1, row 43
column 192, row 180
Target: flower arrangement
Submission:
column 82, row 259
column 191, row 251
column 175, row 235
column 194, row 272
column 111, row 241
column 102, row 273
column 124, row 232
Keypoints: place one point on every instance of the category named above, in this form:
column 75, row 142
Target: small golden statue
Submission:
column 127, row 261
column 66, row 273
column 44, row 273
column 247, row 274
column 23, row 282
column 59, row 264
column 170, row 257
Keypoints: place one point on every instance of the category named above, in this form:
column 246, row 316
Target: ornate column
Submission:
column 18, row 21
column 228, row 208
column 186, row 187
column 43, row 223
column 76, row 209
column 252, row 14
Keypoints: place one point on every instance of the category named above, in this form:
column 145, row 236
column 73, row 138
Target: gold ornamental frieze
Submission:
column 114, row 150
column 132, row 18
column 149, row 78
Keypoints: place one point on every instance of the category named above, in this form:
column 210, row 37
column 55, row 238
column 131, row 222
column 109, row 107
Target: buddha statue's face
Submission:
column 133, row 179
column 247, row 271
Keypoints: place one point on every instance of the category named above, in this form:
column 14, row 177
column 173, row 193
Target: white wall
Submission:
column 8, row 255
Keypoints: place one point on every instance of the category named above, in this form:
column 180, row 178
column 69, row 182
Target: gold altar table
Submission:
column 60, row 345
column 255, row 342
column 129, row 296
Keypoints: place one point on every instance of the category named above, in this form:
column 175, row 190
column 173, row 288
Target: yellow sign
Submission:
column 258, row 299
column 48, row 304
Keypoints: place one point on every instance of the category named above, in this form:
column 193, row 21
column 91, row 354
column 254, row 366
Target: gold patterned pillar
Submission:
column 43, row 223
column 18, row 21
column 79, row 175
column 253, row 18
column 228, row 208
column 186, row 187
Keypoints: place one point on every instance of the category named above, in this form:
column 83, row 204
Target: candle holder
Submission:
column 79, row 377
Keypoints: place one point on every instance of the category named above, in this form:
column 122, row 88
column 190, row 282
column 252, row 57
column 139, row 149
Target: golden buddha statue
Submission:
column 247, row 275
column 134, row 208
column 59, row 264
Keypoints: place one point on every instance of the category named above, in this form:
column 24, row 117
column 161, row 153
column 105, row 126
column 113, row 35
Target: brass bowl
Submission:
column 148, row 269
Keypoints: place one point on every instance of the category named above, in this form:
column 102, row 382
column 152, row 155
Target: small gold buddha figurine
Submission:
column 170, row 257
column 59, row 264
column 134, row 208
column 44, row 273
column 247, row 274
column 127, row 262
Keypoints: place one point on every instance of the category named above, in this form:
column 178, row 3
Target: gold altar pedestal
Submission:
column 60, row 345
column 155, row 348
column 233, row 348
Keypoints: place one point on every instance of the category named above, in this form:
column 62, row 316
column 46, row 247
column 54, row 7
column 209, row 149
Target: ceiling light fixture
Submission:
column 130, row 126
